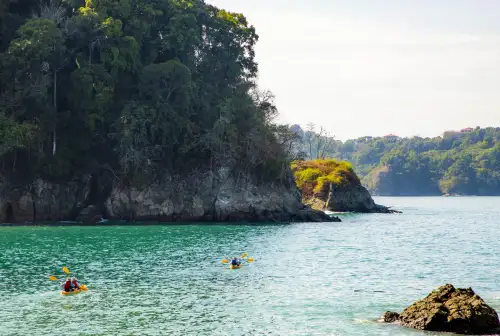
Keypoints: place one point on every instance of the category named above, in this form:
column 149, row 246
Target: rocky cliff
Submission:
column 350, row 197
column 200, row 197
column 353, row 197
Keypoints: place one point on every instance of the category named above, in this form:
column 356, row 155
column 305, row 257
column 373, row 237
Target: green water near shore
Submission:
column 307, row 279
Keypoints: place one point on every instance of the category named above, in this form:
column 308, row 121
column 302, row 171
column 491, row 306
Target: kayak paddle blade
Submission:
column 53, row 278
column 250, row 259
column 66, row 270
column 224, row 261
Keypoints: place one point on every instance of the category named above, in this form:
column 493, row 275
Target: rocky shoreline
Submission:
column 201, row 197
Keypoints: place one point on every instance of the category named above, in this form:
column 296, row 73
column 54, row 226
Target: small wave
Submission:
column 364, row 321
column 370, row 291
column 328, row 212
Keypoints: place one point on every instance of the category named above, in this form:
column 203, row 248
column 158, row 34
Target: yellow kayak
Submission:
column 76, row 291
column 235, row 266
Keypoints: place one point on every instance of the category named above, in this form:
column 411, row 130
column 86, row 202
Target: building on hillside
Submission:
column 391, row 136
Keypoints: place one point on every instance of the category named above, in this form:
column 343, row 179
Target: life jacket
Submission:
column 67, row 286
column 75, row 284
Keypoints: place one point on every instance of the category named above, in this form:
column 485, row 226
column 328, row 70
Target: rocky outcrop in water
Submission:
column 199, row 197
column 448, row 309
column 353, row 197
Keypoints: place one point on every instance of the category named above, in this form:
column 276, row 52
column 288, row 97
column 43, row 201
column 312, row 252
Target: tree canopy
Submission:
column 142, row 88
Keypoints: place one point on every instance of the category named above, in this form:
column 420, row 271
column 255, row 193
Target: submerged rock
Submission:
column 449, row 310
column 390, row 317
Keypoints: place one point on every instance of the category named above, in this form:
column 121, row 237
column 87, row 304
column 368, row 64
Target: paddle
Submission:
column 65, row 270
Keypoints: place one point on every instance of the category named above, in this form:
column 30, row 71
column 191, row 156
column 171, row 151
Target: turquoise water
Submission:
column 307, row 279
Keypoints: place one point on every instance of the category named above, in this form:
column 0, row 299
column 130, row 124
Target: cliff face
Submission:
column 200, row 197
column 347, row 198
column 42, row 200
column 352, row 197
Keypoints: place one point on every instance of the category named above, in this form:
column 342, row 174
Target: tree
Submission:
column 319, row 145
column 141, row 89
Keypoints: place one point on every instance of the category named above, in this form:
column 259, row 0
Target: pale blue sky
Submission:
column 372, row 67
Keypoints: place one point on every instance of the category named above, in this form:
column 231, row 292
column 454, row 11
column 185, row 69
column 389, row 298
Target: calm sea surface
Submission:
column 307, row 279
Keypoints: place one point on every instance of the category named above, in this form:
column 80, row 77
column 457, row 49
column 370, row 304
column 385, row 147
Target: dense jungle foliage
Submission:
column 139, row 88
column 465, row 162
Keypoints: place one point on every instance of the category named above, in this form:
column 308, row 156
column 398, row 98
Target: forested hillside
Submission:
column 136, row 88
column 463, row 162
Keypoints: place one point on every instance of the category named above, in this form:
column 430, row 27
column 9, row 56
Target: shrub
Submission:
column 314, row 177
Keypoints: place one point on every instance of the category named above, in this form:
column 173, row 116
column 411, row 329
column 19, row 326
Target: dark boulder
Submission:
column 449, row 309
column 353, row 197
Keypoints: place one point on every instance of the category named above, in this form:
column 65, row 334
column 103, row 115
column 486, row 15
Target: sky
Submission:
column 376, row 67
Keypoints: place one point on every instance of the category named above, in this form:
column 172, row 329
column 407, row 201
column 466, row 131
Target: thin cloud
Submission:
column 406, row 69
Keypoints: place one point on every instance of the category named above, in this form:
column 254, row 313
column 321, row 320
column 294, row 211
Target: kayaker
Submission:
column 67, row 285
column 235, row 262
column 75, row 284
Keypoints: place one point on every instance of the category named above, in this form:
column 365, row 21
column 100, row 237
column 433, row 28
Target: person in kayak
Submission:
column 66, row 286
column 75, row 284
column 235, row 262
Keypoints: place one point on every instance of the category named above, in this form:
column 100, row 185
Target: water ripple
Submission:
column 308, row 279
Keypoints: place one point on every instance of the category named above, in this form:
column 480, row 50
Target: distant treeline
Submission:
column 465, row 162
